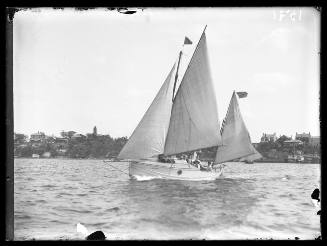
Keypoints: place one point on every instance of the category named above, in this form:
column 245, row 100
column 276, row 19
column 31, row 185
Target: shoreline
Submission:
column 103, row 159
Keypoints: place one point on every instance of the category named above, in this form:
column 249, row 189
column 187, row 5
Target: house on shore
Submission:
column 268, row 137
column 308, row 139
column 37, row 137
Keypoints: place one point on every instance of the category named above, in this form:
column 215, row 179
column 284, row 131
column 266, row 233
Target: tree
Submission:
column 282, row 139
column 19, row 138
column 118, row 145
column 79, row 150
column 24, row 151
column 305, row 140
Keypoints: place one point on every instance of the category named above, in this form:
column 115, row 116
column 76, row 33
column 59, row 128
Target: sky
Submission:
column 74, row 70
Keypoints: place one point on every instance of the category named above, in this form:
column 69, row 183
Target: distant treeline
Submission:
column 278, row 150
column 104, row 146
column 280, row 146
column 95, row 147
column 92, row 146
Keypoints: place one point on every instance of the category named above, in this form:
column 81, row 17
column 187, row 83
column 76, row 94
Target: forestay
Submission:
column 148, row 139
column 194, row 122
column 236, row 142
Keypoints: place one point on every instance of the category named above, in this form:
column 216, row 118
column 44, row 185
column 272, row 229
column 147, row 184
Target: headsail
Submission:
column 252, row 157
column 148, row 139
column 236, row 142
column 194, row 122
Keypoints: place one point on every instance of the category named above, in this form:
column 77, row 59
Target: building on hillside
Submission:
column 37, row 137
column 307, row 138
column 78, row 136
column 67, row 134
column 50, row 139
column 304, row 137
column 315, row 141
column 59, row 140
column 292, row 143
column 268, row 137
column 94, row 134
column 61, row 144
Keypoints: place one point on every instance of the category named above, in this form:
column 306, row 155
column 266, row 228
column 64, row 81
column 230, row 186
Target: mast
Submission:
column 179, row 59
column 176, row 75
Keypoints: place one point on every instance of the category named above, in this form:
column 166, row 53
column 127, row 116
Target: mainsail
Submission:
column 194, row 122
column 148, row 139
column 236, row 142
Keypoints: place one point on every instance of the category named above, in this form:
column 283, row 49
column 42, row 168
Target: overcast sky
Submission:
column 74, row 70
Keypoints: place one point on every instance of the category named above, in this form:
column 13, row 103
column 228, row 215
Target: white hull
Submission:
column 145, row 170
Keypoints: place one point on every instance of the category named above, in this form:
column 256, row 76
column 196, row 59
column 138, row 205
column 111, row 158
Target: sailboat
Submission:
column 186, row 121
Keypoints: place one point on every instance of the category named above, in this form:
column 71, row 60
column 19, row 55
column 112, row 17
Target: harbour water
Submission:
column 257, row 201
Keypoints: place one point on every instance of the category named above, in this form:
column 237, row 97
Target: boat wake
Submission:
column 144, row 178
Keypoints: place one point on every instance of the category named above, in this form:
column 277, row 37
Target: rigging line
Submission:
column 124, row 171
column 176, row 75
column 118, row 169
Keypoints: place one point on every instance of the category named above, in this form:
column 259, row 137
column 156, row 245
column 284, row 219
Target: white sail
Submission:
column 236, row 142
column 194, row 122
column 148, row 139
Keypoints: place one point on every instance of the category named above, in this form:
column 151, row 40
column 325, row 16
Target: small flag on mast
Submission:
column 242, row 94
column 187, row 40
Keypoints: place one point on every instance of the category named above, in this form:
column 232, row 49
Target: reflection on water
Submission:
column 250, row 201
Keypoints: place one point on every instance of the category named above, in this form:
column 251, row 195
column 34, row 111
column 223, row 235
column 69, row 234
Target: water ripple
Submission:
column 261, row 200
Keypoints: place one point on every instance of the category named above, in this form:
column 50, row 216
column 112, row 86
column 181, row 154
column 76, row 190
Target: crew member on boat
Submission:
column 195, row 156
column 209, row 165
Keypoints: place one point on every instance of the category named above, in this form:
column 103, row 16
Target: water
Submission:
column 261, row 200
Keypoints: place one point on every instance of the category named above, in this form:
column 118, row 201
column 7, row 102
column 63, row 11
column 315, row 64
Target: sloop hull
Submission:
column 143, row 170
